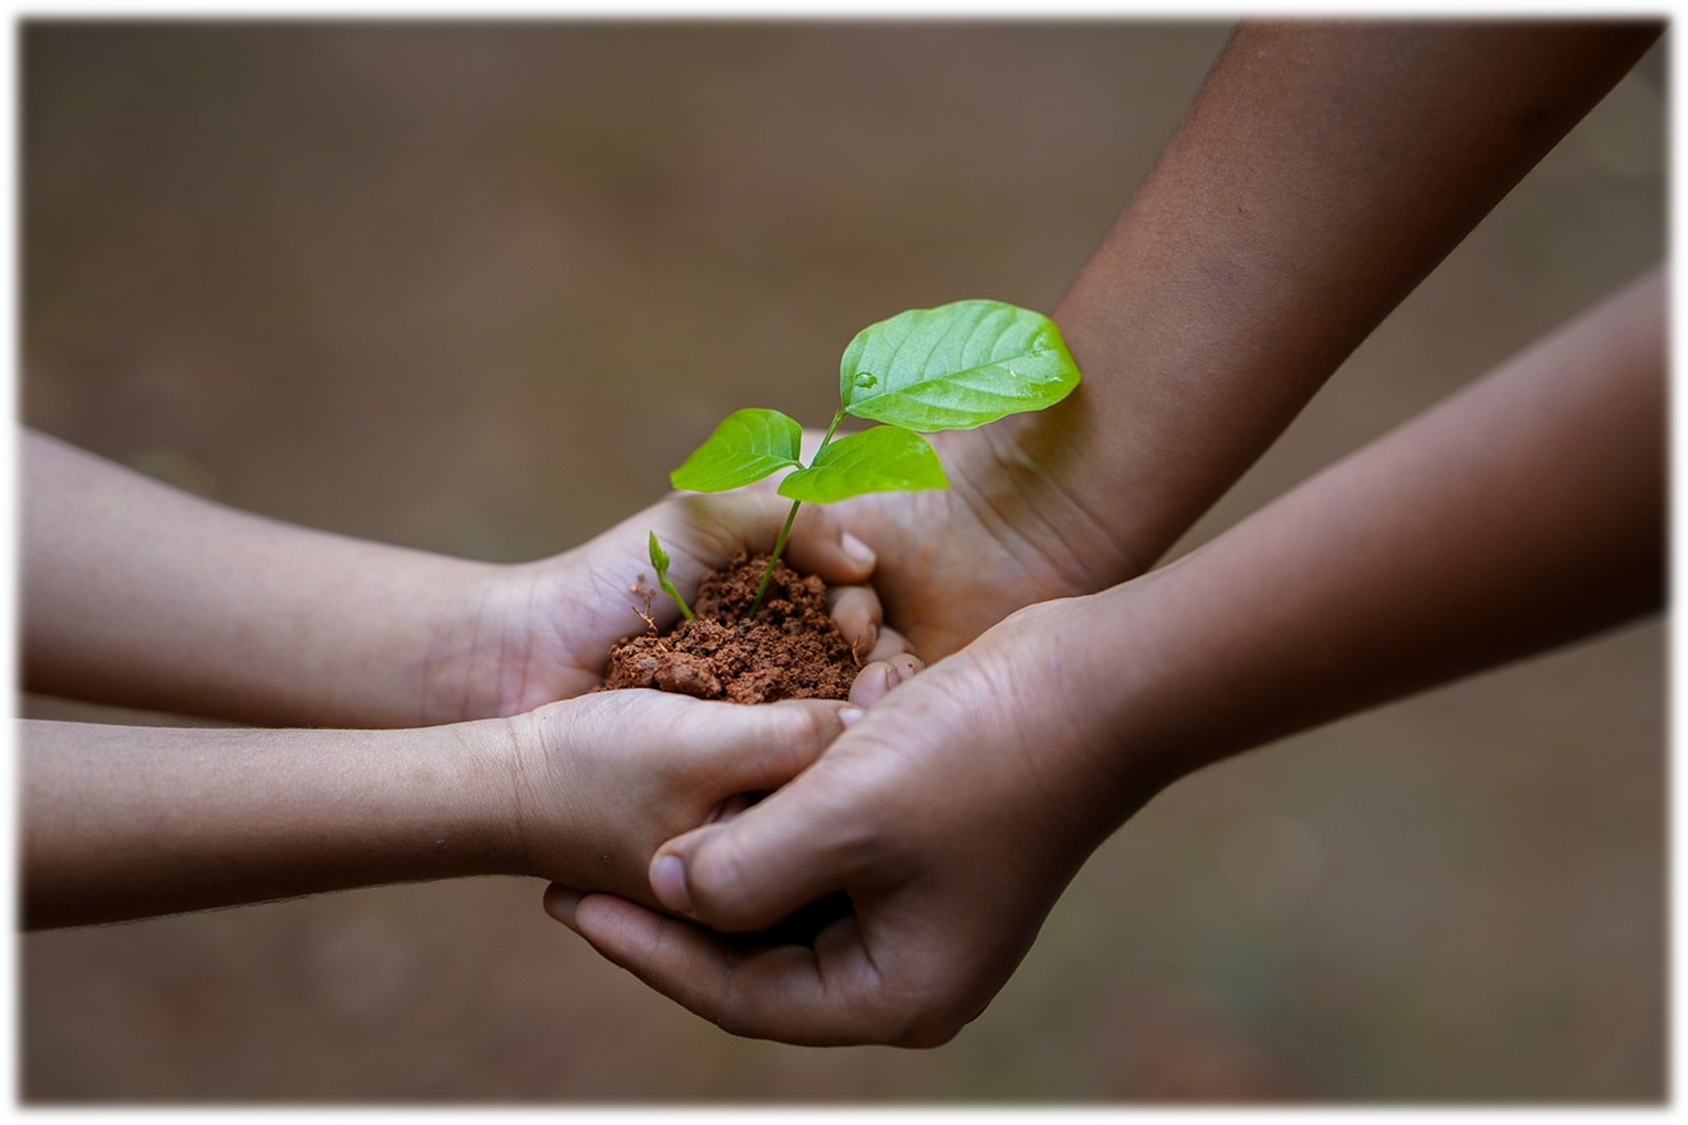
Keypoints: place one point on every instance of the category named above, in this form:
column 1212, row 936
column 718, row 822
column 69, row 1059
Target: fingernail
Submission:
column 668, row 883
column 849, row 714
column 858, row 551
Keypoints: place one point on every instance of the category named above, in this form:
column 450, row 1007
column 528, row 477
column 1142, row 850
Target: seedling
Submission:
column 660, row 560
column 954, row 367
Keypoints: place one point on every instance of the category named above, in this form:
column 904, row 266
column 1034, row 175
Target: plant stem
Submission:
column 668, row 588
column 768, row 572
column 779, row 544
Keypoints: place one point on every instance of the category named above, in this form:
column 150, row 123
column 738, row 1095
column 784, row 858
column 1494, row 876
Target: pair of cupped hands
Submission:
column 951, row 806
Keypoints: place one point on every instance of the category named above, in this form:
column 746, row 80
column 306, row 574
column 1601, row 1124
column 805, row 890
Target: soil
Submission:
column 792, row 649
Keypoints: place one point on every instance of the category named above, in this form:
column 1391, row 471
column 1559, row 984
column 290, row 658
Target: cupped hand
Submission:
column 953, row 814
column 954, row 562
column 600, row 782
column 538, row 632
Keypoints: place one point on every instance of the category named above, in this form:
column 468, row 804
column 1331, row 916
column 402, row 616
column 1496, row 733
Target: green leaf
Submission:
column 745, row 447
column 956, row 366
column 659, row 557
column 883, row 459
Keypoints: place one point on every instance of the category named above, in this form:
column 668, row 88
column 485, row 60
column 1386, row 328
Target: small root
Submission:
column 644, row 613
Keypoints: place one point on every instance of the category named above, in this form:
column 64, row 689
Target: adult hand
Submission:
column 948, row 892
column 1004, row 535
column 1523, row 513
column 1325, row 169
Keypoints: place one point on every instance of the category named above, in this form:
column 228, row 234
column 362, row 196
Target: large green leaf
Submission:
column 956, row 366
column 745, row 447
column 883, row 459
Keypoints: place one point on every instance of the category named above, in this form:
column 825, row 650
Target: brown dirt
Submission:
column 792, row 649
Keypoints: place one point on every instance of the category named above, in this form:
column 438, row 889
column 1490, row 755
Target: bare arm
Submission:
column 136, row 593
column 139, row 594
column 1323, row 171
column 1522, row 513
column 129, row 822
column 1525, row 512
column 126, row 822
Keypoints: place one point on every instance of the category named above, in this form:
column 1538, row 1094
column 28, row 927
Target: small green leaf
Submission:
column 956, row 366
column 883, row 459
column 660, row 560
column 745, row 447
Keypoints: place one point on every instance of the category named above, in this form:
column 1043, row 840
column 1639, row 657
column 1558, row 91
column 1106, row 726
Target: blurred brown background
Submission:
column 474, row 287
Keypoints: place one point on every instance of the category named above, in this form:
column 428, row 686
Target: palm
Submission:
column 547, row 627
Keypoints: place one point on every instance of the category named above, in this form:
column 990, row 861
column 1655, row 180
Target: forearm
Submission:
column 135, row 593
column 125, row 822
column 1324, row 170
column 1525, row 512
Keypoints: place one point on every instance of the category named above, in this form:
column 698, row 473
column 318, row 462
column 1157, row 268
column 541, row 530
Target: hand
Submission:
column 602, row 781
column 141, row 595
column 1004, row 535
column 538, row 632
column 953, row 814
column 132, row 822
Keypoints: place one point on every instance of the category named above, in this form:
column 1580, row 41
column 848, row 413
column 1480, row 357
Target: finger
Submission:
column 876, row 680
column 891, row 643
column 856, row 611
column 822, row 996
column 764, row 865
column 819, row 545
column 767, row 745
column 907, row 663
column 560, row 901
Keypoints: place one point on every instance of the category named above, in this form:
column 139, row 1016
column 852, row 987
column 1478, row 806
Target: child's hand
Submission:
column 540, row 632
column 602, row 780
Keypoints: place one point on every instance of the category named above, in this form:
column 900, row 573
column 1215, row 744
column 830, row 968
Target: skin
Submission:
column 1324, row 170
column 1522, row 513
column 129, row 822
column 138, row 594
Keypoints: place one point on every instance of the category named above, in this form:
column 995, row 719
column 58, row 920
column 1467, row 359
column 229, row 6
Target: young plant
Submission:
column 954, row 367
column 660, row 560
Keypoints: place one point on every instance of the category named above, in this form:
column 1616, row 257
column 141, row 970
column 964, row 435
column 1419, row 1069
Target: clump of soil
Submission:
column 791, row 650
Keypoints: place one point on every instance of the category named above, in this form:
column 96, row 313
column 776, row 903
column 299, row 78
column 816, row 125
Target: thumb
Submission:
column 748, row 873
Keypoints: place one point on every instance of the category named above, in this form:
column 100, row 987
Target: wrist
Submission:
column 492, row 792
column 471, row 663
column 436, row 803
column 1078, row 705
column 1112, row 682
column 1029, row 480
